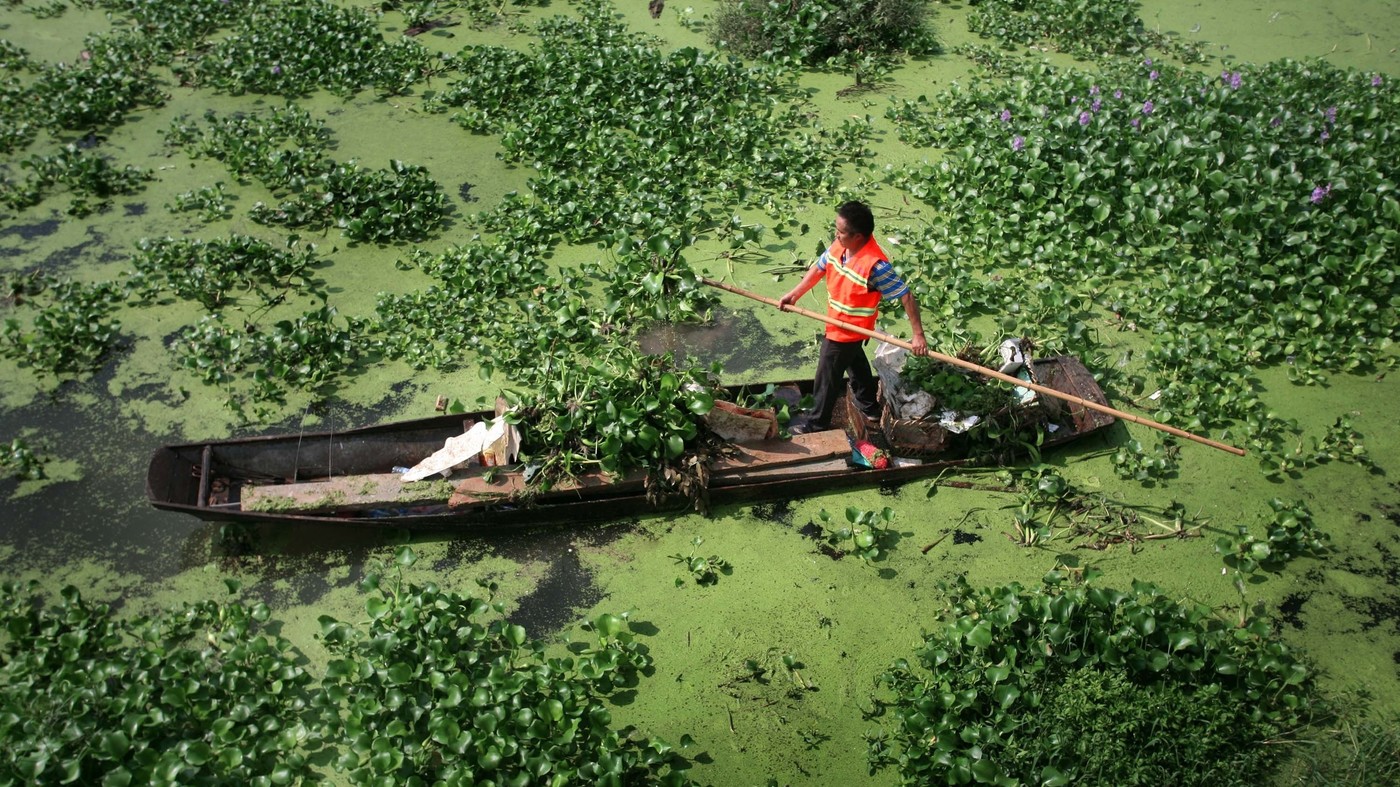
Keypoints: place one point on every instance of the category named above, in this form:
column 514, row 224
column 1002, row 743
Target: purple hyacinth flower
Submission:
column 1147, row 62
column 1276, row 122
column 276, row 69
column 1320, row 193
column 1331, row 114
column 1006, row 116
column 1236, row 80
column 1147, row 107
column 1084, row 118
column 1117, row 94
column 1135, row 122
column 1093, row 90
column 1152, row 75
column 1376, row 80
column 1094, row 107
column 1018, row 142
column 1323, row 137
column 1074, row 99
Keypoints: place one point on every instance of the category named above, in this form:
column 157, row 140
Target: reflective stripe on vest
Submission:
column 850, row 298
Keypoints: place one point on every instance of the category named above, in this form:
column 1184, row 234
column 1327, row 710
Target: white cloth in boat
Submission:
column 501, row 438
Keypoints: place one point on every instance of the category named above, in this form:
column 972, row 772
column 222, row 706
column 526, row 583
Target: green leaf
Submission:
column 981, row 635
column 608, row 625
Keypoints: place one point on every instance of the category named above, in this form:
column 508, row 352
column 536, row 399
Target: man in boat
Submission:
column 858, row 277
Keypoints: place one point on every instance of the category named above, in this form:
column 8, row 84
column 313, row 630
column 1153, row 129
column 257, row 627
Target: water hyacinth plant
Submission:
column 1247, row 192
column 1075, row 682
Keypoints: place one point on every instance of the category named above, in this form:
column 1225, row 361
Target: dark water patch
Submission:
column 1383, row 613
column 135, row 209
column 891, row 489
column 33, row 230
column 69, row 255
column 464, row 191
column 1290, row 608
column 567, row 585
column 89, row 142
column 735, row 339
column 963, row 537
column 811, row 530
column 779, row 511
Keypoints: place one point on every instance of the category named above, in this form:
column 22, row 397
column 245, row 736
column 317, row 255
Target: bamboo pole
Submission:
column 982, row 370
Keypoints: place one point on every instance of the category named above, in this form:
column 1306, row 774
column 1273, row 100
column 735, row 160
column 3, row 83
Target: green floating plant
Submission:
column 294, row 48
column 18, row 461
column 704, row 570
column 91, row 179
column 1291, row 535
column 215, row 272
column 866, row 534
column 199, row 694
column 439, row 689
column 1074, row 682
column 71, row 330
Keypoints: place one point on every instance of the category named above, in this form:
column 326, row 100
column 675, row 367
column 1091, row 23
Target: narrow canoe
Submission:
column 347, row 477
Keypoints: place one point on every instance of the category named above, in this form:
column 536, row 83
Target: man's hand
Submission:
column 920, row 344
column 789, row 299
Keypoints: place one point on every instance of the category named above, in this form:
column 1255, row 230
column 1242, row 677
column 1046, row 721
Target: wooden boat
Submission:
column 348, row 477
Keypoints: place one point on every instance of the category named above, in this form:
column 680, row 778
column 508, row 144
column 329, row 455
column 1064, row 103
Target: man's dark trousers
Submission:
column 838, row 358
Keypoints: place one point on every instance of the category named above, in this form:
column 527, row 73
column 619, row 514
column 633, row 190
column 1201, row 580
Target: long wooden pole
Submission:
column 982, row 370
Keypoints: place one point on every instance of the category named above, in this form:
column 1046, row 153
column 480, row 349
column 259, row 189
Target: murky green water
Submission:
column 89, row 525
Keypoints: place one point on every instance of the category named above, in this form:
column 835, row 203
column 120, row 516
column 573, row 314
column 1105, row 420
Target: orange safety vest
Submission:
column 850, row 296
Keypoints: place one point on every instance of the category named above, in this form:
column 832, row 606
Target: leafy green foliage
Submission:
column 621, row 413
column 92, row 181
column 1047, row 508
column 213, row 272
column 436, row 687
column 374, row 206
column 421, row 15
column 1275, row 178
column 866, row 534
column 211, row 202
column 652, row 141
column 294, row 47
column 285, row 149
column 1131, row 461
column 99, row 93
column 197, row 695
column 282, row 148
column 440, row 690
column 71, row 330
column 704, row 570
column 955, row 389
column 306, row 353
column 1292, row 534
column 1078, row 26
column 1074, row 682
column 18, row 461
column 817, row 33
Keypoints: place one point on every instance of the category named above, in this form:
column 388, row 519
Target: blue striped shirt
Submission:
column 891, row 287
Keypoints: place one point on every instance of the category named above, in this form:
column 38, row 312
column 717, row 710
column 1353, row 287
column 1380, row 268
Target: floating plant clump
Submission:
column 1270, row 220
column 435, row 688
column 1075, row 682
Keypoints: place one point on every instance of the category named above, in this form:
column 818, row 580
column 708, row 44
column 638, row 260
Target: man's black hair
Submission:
column 858, row 217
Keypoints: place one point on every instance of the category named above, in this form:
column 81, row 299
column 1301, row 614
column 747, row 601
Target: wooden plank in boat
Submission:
column 343, row 493
column 360, row 492
column 751, row 458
